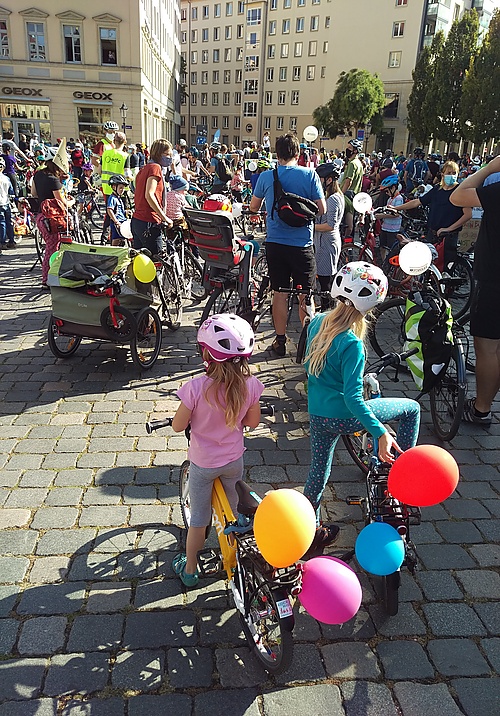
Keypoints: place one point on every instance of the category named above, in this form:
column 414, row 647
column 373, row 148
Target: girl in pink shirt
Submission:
column 218, row 405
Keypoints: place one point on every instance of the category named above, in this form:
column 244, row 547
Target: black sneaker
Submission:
column 470, row 416
column 325, row 535
column 279, row 348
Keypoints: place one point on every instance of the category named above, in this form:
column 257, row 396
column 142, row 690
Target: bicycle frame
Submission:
column 222, row 514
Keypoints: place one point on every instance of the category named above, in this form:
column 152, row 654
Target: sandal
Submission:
column 179, row 567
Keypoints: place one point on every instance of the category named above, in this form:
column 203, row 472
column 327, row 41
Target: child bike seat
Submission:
column 82, row 273
column 248, row 500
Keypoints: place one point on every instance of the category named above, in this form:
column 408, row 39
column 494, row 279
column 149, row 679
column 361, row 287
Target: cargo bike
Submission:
column 97, row 293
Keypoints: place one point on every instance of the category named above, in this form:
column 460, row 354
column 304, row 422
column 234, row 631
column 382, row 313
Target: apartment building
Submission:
column 66, row 67
column 264, row 65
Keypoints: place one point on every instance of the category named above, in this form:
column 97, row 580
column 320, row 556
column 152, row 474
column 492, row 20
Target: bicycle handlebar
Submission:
column 391, row 359
column 152, row 425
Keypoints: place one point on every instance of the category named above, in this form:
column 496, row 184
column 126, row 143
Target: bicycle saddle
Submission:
column 248, row 501
column 82, row 273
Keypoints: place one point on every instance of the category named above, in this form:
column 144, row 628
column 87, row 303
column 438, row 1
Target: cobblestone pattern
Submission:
column 92, row 620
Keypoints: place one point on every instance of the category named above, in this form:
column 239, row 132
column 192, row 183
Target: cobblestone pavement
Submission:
column 93, row 621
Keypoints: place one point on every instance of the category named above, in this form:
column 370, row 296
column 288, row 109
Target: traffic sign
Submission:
column 128, row 126
column 361, row 135
column 200, row 141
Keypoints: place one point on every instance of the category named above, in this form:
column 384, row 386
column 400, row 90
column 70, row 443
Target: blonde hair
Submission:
column 340, row 319
column 449, row 165
column 229, row 380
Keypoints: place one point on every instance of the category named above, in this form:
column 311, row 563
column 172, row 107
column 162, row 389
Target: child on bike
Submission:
column 391, row 220
column 116, row 208
column 335, row 361
column 218, row 405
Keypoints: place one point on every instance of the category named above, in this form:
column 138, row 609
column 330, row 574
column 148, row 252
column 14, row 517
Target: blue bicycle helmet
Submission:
column 393, row 180
column 194, row 152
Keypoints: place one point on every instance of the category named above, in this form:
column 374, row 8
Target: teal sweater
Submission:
column 337, row 392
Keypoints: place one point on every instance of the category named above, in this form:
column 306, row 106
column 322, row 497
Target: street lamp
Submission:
column 123, row 112
column 368, row 131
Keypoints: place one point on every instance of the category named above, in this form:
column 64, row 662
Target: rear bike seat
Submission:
column 248, row 501
column 82, row 273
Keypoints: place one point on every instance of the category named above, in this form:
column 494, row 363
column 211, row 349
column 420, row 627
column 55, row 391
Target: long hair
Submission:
column 340, row 319
column 332, row 188
column 229, row 382
column 449, row 165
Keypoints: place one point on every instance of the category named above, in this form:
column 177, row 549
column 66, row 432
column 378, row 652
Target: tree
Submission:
column 358, row 97
column 422, row 102
column 480, row 106
column 451, row 65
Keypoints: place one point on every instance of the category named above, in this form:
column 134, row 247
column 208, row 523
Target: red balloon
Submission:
column 424, row 475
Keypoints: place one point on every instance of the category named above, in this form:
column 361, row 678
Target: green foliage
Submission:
column 422, row 101
column 359, row 95
column 480, row 105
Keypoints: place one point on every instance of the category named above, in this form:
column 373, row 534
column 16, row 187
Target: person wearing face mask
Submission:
column 150, row 191
column 444, row 217
column 106, row 142
column 114, row 161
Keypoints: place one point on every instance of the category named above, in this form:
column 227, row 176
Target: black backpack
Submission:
column 292, row 209
column 418, row 170
column 223, row 171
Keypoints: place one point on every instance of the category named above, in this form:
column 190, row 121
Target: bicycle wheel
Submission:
column 390, row 592
column 96, row 215
column 184, row 499
column 386, row 332
column 172, row 292
column 461, row 333
column 301, row 345
column 126, row 324
column 224, row 299
column 85, row 232
column 360, row 447
column 264, row 631
column 193, row 271
column 460, row 294
column 354, row 251
column 39, row 245
column 61, row 346
column 261, row 299
column 146, row 344
column 447, row 398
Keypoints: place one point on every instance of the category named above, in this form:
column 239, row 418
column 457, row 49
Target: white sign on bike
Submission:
column 284, row 608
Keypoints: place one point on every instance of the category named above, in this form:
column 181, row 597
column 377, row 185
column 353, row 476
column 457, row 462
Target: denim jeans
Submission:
column 6, row 225
column 147, row 236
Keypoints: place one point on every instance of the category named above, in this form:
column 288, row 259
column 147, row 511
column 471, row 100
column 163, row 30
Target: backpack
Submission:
column 418, row 171
column 428, row 322
column 223, row 171
column 56, row 215
column 292, row 209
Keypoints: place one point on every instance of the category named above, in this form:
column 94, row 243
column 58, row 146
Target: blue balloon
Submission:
column 380, row 549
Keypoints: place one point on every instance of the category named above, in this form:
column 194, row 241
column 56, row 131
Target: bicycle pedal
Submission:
column 209, row 562
column 353, row 500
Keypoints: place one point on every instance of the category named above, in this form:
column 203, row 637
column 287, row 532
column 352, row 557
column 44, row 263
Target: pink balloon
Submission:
column 331, row 591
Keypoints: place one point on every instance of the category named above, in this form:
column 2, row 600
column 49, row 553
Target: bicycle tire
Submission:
column 96, row 216
column 467, row 342
column 127, row 324
column 386, row 331
column 261, row 300
column 354, row 252
column 147, row 337
column 266, row 635
column 38, row 243
column 447, row 398
column 73, row 342
column 85, row 232
column 172, row 292
column 224, row 299
column 360, row 451
column 301, row 345
column 184, row 499
column 390, row 592
column 193, row 271
column 460, row 298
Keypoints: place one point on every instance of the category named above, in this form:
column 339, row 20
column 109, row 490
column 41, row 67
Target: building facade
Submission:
column 264, row 65
column 66, row 67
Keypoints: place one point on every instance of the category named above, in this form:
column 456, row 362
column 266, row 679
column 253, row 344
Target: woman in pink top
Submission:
column 218, row 405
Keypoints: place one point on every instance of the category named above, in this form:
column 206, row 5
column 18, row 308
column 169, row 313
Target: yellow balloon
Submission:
column 144, row 269
column 284, row 527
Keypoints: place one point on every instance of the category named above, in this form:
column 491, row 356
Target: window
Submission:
column 204, row 56
column 216, row 55
column 215, row 122
column 193, row 99
column 204, row 34
column 205, row 12
column 194, row 57
column 301, row 3
column 398, row 29
column 204, row 78
column 239, row 32
column 315, row 2
column 36, row 41
column 295, row 96
column 391, row 105
column 267, row 122
column 241, row 8
column 252, row 39
column 204, row 98
column 323, row 73
column 216, row 34
column 285, row 28
column 193, row 120
column 226, row 98
column 268, row 98
column 281, row 97
column 227, row 54
column 215, row 98
column 227, row 77
column 325, row 46
column 183, row 99
column 296, row 74
column 251, row 63
column 227, row 32
column 225, row 122
column 282, row 74
column 250, row 109
column 215, row 77
column 217, row 9
column 183, row 78
column 299, row 25
column 183, row 15
column 293, row 124
column 313, row 48
column 394, row 59
column 279, row 123
column 237, row 123
column 194, row 13
column 297, row 50
column 274, row 4
column 284, row 49
column 456, row 12
column 314, row 23
column 272, row 27
column 251, row 86
column 194, row 78
column 271, row 52
column 203, row 121
column 108, row 45
column 183, row 37
column 237, row 98
column 229, row 9
column 194, row 35
column 237, row 76
column 400, row 3
column 327, row 22
column 270, row 74
column 254, row 17
column 4, row 39
column 287, row 4
column 310, row 72
column 72, row 48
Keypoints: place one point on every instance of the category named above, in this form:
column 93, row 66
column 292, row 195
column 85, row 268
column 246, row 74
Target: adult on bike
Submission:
column 477, row 190
column 290, row 253
column 327, row 241
column 149, row 213
column 444, row 216
column 352, row 181
column 218, row 405
column 335, row 362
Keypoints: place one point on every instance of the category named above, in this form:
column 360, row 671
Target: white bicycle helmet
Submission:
column 111, row 126
column 361, row 284
column 226, row 336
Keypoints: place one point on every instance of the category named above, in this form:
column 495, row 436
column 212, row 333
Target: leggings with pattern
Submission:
column 325, row 433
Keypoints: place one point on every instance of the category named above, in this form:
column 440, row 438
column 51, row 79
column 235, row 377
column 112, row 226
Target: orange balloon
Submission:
column 424, row 475
column 284, row 527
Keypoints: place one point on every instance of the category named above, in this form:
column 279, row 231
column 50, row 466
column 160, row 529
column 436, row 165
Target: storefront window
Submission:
column 25, row 111
column 26, row 119
column 90, row 121
column 108, row 46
